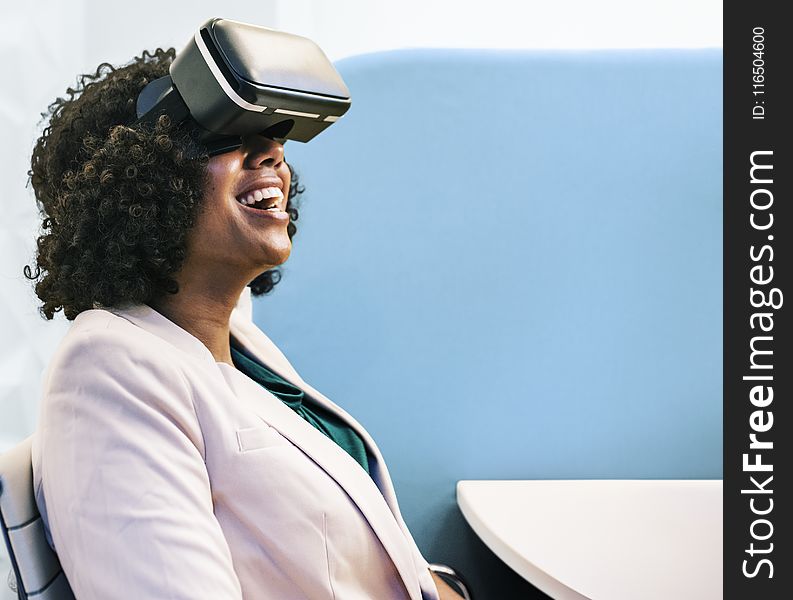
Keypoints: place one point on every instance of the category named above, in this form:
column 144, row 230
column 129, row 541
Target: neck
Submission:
column 203, row 308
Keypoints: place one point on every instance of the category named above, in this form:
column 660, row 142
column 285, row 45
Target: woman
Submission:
column 178, row 453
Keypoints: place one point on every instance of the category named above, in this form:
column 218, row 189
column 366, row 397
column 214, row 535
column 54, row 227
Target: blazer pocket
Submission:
column 261, row 436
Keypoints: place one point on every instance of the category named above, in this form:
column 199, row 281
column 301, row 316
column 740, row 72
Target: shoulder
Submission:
column 98, row 338
column 108, row 373
column 104, row 355
column 109, row 328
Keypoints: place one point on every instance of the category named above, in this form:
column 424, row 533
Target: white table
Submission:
column 604, row 539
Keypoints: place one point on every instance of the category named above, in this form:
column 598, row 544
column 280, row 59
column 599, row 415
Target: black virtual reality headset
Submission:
column 234, row 79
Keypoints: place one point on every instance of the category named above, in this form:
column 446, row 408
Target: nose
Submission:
column 263, row 151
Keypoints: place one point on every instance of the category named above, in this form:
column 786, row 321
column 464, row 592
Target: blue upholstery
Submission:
column 508, row 266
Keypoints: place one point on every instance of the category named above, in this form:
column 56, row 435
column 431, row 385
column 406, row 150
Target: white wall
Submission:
column 48, row 42
column 43, row 38
column 347, row 27
column 117, row 30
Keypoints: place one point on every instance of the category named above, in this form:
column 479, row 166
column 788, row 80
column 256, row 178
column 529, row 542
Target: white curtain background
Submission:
column 46, row 43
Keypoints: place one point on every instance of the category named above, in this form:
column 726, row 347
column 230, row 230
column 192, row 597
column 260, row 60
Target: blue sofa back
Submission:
column 508, row 266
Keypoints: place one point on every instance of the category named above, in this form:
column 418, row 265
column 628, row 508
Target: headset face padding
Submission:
column 235, row 79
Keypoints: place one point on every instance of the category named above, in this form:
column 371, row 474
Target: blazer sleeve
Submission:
column 127, row 493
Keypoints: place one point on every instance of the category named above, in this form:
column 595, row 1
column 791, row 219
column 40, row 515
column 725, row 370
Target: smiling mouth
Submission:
column 267, row 198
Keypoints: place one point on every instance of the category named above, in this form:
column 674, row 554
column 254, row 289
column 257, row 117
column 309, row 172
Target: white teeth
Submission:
column 272, row 192
column 260, row 194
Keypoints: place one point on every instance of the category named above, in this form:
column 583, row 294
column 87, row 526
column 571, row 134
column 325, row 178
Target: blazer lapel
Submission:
column 335, row 462
column 373, row 493
column 266, row 351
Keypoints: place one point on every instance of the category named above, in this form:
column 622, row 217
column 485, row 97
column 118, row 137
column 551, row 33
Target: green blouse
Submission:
column 317, row 416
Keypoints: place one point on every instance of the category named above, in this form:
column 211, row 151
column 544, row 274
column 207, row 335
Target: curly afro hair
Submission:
column 118, row 200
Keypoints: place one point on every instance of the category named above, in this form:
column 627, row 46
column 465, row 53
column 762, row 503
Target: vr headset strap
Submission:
column 158, row 97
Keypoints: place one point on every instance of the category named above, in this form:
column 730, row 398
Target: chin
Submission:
column 278, row 255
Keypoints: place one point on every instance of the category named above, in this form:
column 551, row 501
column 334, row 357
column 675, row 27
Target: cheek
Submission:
column 212, row 229
column 221, row 172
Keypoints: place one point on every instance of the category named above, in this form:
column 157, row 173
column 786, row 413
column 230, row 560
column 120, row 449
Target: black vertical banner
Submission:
column 758, row 264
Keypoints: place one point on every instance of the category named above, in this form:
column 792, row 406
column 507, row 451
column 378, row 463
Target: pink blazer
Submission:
column 163, row 474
